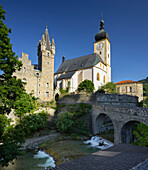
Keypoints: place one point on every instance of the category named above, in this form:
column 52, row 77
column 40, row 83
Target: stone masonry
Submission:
column 39, row 78
column 123, row 111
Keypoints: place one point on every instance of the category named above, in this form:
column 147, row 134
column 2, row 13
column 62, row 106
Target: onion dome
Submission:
column 102, row 34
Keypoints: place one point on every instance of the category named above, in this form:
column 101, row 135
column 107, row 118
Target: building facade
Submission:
column 130, row 87
column 95, row 67
column 39, row 77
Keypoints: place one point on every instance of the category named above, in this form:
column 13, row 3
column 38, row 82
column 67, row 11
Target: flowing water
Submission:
column 67, row 150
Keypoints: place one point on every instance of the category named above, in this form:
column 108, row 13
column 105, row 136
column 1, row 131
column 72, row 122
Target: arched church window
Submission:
column 104, row 79
column 98, row 76
column 100, row 52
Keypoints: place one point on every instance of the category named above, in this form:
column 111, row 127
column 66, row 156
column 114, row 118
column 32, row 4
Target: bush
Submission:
column 101, row 90
column 109, row 87
column 87, row 86
column 32, row 123
column 141, row 133
column 65, row 122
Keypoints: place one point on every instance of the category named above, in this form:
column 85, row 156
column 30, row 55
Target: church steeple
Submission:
column 102, row 34
column 102, row 22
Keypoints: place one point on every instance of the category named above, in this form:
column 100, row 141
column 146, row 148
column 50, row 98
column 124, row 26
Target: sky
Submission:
column 74, row 23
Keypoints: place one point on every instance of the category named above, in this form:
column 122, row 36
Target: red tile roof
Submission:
column 126, row 81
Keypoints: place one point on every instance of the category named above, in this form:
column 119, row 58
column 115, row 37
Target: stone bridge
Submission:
column 123, row 119
column 112, row 111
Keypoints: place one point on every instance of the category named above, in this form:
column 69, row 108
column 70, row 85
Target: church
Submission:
column 95, row 67
column 41, row 80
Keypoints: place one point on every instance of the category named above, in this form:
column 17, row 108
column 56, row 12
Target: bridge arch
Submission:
column 103, row 122
column 127, row 130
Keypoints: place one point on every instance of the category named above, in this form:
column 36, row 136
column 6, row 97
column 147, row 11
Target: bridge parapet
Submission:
column 100, row 98
column 116, row 99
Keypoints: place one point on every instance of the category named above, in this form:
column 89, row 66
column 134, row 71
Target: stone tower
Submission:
column 46, row 52
column 102, row 47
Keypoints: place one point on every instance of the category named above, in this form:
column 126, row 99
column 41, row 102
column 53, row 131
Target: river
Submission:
column 61, row 151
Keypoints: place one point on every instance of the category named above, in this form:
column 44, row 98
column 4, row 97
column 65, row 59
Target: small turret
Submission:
column 53, row 46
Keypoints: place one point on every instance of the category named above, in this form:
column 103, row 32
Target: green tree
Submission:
column 86, row 85
column 10, row 87
column 109, row 87
column 10, row 91
column 24, row 104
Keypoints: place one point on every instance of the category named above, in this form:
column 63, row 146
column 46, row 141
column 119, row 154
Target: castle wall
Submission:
column 27, row 74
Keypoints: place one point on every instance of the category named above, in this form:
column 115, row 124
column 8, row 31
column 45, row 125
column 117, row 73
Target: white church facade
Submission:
column 95, row 67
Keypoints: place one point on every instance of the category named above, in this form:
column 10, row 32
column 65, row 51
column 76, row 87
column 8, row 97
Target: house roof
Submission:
column 67, row 75
column 79, row 63
column 126, row 81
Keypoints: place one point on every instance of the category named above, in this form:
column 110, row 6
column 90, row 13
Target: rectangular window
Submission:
column 47, row 94
column 47, row 85
column 48, row 63
column 118, row 89
column 48, row 54
column 130, row 89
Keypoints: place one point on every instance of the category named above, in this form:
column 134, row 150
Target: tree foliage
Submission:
column 10, row 90
column 65, row 122
column 25, row 103
column 109, row 87
column 141, row 133
column 86, row 85
column 10, row 87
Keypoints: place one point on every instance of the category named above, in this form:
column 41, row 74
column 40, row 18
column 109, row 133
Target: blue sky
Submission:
column 74, row 23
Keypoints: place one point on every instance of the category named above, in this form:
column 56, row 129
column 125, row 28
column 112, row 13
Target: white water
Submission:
column 96, row 141
column 49, row 162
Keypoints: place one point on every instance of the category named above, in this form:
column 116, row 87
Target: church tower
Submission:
column 46, row 52
column 102, row 47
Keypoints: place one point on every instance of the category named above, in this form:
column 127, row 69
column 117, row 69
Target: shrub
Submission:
column 86, row 85
column 109, row 87
column 141, row 133
column 101, row 91
column 32, row 123
column 65, row 122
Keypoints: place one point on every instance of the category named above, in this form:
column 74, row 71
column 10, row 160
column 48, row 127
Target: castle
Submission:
column 41, row 78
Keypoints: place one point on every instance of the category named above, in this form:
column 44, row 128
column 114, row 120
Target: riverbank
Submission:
column 33, row 143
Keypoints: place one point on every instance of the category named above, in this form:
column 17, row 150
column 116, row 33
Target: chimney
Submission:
column 63, row 59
